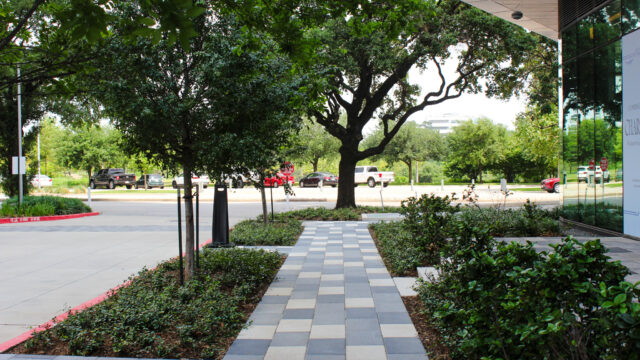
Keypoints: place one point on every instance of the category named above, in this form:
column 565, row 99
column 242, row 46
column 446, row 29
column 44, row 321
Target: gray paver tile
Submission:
column 363, row 337
column 249, row 347
column 403, row 346
column 401, row 317
column 290, row 339
column 326, row 347
column 298, row 314
column 323, row 299
column 361, row 313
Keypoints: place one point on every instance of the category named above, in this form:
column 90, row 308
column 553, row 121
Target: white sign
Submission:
column 631, row 132
column 14, row 165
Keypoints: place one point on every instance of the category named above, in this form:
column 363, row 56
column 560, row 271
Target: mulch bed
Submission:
column 429, row 336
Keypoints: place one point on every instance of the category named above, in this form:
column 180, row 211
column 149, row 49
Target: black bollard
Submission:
column 220, row 228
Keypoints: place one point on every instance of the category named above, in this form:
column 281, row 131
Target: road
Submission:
column 50, row 267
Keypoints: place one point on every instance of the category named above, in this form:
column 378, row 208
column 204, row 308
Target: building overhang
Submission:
column 539, row 16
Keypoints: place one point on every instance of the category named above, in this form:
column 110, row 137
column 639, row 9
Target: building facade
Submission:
column 599, row 43
column 443, row 124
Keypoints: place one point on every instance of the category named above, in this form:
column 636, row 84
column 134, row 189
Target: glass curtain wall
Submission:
column 592, row 127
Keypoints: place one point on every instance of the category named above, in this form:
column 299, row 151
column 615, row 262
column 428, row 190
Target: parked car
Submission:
column 584, row 173
column 196, row 180
column 41, row 181
column 278, row 179
column 153, row 180
column 370, row 175
column 236, row 180
column 111, row 178
column 319, row 179
column 551, row 185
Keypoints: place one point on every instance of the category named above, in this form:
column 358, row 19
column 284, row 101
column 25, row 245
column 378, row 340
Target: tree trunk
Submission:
column 315, row 165
column 408, row 163
column 189, row 226
column 346, row 191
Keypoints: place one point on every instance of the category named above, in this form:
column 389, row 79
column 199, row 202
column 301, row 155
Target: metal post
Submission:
column 442, row 184
column 288, row 207
column 198, row 229
column 180, row 239
column 39, row 184
column 271, row 191
column 89, row 196
column 381, row 200
column 20, row 191
column 417, row 172
column 412, row 185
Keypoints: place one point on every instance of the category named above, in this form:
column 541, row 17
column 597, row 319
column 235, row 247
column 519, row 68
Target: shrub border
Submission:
column 25, row 219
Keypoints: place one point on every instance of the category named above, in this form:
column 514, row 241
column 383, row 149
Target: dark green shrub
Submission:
column 507, row 301
column 530, row 220
column 42, row 206
column 428, row 219
column 283, row 232
column 397, row 246
column 155, row 317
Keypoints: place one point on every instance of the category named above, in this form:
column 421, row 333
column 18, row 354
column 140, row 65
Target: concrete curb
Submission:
column 45, row 218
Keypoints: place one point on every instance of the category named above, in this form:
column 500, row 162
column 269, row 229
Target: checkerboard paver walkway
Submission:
column 333, row 298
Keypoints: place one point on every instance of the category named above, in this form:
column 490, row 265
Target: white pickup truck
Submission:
column 370, row 175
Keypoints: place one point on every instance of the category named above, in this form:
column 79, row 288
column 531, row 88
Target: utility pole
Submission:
column 19, row 141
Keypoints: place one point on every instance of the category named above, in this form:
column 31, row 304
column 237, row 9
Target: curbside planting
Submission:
column 25, row 219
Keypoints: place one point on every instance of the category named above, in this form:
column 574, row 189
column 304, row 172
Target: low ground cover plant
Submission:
column 529, row 220
column 42, row 206
column 283, row 232
column 155, row 317
column 507, row 301
column 320, row 213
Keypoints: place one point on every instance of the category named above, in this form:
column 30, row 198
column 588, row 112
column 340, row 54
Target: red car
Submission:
column 551, row 185
column 278, row 180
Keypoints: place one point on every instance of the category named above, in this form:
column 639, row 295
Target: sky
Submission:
column 467, row 106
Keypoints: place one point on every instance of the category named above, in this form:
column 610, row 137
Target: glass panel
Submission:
column 570, row 141
column 630, row 15
column 585, row 34
column 608, row 136
column 606, row 23
column 586, row 93
column 569, row 42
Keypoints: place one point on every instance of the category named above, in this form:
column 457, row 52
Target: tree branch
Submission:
column 7, row 39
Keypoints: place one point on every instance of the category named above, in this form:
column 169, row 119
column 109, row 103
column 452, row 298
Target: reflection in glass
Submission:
column 570, row 141
column 630, row 15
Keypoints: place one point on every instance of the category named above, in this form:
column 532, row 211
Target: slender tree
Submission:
column 210, row 109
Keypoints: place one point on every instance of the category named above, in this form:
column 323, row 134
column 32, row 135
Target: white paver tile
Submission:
column 350, row 246
column 291, row 267
column 353, row 264
column 309, row 274
column 366, row 352
column 379, row 270
column 332, row 277
column 294, row 325
column 334, row 254
column 285, row 352
column 381, row 282
column 398, row 330
column 278, row 291
column 359, row 302
column 317, row 249
column 333, row 261
column 258, row 332
column 369, row 250
column 298, row 254
column 331, row 290
column 327, row 332
column 301, row 304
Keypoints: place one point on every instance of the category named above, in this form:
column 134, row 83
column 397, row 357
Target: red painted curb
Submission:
column 45, row 218
column 28, row 334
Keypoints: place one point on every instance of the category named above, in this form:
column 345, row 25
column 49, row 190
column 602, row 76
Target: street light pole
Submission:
column 19, row 141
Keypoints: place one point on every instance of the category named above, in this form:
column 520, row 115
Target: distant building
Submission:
column 444, row 124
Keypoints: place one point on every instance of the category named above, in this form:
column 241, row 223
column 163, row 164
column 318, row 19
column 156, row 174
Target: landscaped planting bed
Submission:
column 42, row 206
column 284, row 232
column 495, row 300
column 155, row 317
column 320, row 213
